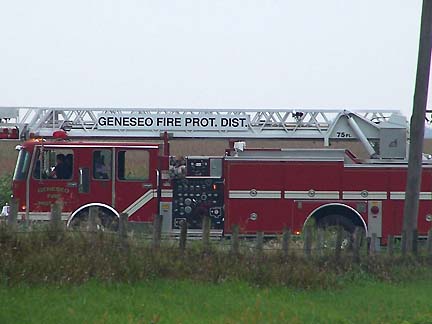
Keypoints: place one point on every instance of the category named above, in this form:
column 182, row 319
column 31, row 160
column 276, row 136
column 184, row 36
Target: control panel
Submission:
column 195, row 197
column 204, row 167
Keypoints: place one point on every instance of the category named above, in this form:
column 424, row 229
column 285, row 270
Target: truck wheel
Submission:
column 336, row 220
column 330, row 223
column 106, row 220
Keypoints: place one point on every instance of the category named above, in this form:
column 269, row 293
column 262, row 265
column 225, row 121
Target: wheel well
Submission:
column 100, row 206
column 344, row 211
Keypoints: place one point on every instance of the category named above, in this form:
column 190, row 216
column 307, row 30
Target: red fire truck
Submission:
column 257, row 189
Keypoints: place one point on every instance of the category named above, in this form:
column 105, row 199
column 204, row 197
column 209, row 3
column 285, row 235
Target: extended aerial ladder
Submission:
column 382, row 132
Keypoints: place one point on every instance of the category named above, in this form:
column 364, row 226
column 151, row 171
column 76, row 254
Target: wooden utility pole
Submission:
column 417, row 127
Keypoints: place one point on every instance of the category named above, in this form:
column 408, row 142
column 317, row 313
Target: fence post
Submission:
column 56, row 225
column 338, row 247
column 358, row 233
column 320, row 241
column 157, row 231
column 307, row 241
column 415, row 242
column 404, row 243
column 56, row 209
column 235, row 247
column 368, row 244
column 390, row 245
column 259, row 242
column 183, row 235
column 123, row 224
column 429, row 243
column 93, row 215
column 373, row 244
column 285, row 241
column 92, row 224
column 13, row 215
column 206, row 232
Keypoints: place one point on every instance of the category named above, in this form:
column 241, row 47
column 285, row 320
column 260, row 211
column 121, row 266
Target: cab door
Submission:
column 94, row 176
column 101, row 174
column 53, row 177
column 136, row 182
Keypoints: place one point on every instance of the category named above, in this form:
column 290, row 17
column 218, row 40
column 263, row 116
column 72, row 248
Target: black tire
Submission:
column 106, row 220
column 331, row 221
column 336, row 220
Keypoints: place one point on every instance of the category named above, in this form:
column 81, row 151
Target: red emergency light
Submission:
column 60, row 135
column 375, row 210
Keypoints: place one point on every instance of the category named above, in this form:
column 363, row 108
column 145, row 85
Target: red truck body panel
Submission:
column 263, row 192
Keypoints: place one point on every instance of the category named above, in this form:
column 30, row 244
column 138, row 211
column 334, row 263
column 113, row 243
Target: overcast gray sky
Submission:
column 224, row 53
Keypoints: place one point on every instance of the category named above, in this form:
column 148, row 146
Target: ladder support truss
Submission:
column 185, row 122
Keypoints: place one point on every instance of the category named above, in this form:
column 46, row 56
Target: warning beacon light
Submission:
column 60, row 135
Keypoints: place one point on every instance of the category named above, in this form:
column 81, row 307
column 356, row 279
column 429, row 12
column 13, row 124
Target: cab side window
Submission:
column 53, row 164
column 133, row 165
column 102, row 164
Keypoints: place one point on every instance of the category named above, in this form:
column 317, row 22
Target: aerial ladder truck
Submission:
column 118, row 160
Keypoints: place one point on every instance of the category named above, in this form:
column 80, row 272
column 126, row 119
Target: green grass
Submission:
column 170, row 301
column 51, row 276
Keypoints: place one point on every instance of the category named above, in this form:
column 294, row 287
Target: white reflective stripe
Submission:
column 400, row 195
column 41, row 216
column 311, row 194
column 141, row 201
column 167, row 193
column 369, row 195
column 252, row 194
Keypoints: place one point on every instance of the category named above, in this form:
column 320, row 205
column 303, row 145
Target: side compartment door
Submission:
column 136, row 182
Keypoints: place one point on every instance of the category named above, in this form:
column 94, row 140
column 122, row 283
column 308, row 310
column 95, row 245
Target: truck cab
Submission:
column 114, row 177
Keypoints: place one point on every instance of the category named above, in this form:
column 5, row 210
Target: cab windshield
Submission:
column 22, row 165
